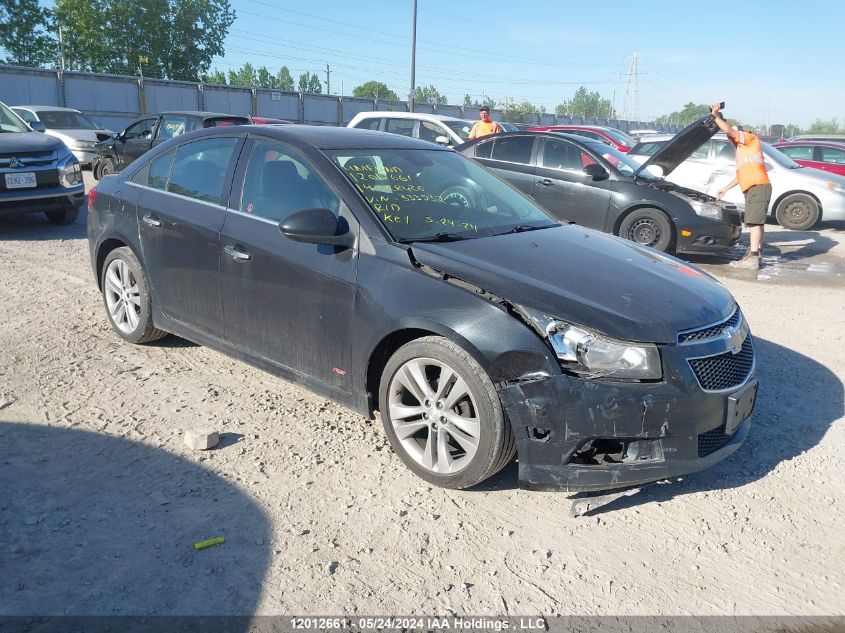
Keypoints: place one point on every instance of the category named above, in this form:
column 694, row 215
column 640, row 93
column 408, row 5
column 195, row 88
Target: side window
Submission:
column 26, row 115
column 801, row 152
column 724, row 152
column 483, row 150
column 159, row 170
column 279, row 181
column 590, row 135
column 833, row 155
column 141, row 129
column 514, row 149
column 405, row 127
column 170, row 127
column 430, row 131
column 563, row 155
column 199, row 168
column 141, row 176
column 701, row 153
column 368, row 124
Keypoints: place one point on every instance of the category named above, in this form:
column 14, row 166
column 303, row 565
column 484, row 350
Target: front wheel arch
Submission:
column 673, row 238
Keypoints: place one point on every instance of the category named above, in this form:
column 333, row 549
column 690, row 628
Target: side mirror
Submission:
column 596, row 171
column 317, row 226
column 38, row 126
column 442, row 140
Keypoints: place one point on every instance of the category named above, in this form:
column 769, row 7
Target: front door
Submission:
column 180, row 215
column 564, row 189
column 135, row 141
column 285, row 301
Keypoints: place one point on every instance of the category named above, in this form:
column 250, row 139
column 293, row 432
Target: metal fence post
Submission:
column 60, row 78
column 302, row 107
column 142, row 97
column 201, row 95
column 254, row 99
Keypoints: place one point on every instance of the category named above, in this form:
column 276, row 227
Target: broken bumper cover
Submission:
column 656, row 431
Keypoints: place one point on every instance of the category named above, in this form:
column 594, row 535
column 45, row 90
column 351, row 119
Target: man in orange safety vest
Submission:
column 485, row 126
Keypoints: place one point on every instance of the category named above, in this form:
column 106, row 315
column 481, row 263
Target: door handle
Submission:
column 151, row 220
column 545, row 182
column 237, row 255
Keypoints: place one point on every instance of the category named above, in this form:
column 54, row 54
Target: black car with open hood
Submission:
column 589, row 183
column 393, row 275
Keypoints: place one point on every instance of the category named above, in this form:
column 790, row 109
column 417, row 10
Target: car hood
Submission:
column 23, row 142
column 94, row 136
column 604, row 283
column 681, row 146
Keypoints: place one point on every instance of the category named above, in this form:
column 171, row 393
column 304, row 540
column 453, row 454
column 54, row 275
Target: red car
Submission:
column 607, row 135
column 825, row 155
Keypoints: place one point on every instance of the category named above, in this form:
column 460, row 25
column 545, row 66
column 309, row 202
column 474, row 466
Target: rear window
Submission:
column 224, row 121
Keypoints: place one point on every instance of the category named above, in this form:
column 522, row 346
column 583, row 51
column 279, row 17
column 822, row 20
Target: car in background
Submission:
column 607, row 135
column 148, row 131
column 592, row 184
column 346, row 261
column 436, row 128
column 638, row 135
column 824, row 155
column 801, row 196
column 267, row 120
column 38, row 173
column 833, row 138
column 78, row 131
column 508, row 126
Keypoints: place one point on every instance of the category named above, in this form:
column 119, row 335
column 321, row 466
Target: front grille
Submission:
column 29, row 159
column 711, row 331
column 724, row 371
column 712, row 441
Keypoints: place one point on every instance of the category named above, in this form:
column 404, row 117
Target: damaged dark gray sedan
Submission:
column 388, row 274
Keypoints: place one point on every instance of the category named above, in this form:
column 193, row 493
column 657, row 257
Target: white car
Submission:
column 445, row 130
column 801, row 196
column 77, row 131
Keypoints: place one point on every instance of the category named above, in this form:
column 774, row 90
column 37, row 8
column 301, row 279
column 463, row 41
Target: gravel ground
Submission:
column 101, row 501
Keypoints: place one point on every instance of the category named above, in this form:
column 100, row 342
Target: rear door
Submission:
column 180, row 215
column 511, row 157
column 285, row 301
column 564, row 189
column 833, row 159
column 171, row 126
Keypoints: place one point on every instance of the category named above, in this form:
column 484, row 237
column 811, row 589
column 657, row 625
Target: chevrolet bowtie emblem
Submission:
column 16, row 163
column 735, row 340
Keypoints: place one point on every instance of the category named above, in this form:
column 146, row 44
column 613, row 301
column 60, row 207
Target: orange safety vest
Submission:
column 483, row 129
column 750, row 164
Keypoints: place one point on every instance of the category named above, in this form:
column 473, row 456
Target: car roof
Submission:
column 324, row 137
column 46, row 108
column 425, row 116
column 198, row 113
column 836, row 144
column 580, row 140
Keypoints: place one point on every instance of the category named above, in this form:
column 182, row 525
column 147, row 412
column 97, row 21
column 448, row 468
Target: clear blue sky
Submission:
column 775, row 61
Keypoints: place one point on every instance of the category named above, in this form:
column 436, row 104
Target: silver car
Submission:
column 801, row 196
column 75, row 129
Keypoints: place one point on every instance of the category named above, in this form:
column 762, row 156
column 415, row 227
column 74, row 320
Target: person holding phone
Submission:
column 754, row 182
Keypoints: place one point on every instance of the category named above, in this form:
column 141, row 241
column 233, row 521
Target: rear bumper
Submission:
column 667, row 430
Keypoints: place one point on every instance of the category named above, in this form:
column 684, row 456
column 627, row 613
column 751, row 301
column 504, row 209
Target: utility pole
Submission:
column 328, row 80
column 61, row 49
column 413, row 62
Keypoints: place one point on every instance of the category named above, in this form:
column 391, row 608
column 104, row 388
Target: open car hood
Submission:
column 679, row 148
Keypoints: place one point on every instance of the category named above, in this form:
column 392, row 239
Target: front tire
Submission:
column 648, row 227
column 126, row 295
column 106, row 167
column 66, row 216
column 442, row 415
column 798, row 212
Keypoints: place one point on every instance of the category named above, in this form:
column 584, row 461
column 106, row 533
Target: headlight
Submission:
column 835, row 186
column 706, row 209
column 584, row 352
column 70, row 174
column 83, row 144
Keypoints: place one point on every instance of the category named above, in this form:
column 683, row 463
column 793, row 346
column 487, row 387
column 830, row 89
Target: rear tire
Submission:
column 126, row 296
column 648, row 227
column 798, row 212
column 442, row 415
column 67, row 216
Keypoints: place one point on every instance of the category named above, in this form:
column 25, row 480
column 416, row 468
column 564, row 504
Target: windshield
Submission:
column 65, row 120
column 620, row 137
column 437, row 195
column 779, row 157
column 11, row 122
column 461, row 128
column 622, row 163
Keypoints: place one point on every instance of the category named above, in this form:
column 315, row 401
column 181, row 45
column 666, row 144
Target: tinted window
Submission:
column 803, row 152
column 483, row 150
column 832, row 155
column 279, row 181
column 563, row 155
column 65, row 120
column 199, row 168
column 649, row 149
column 368, row 124
column 26, row 115
column 159, row 170
column 405, row 127
column 461, row 128
column 514, row 149
column 141, row 129
column 141, row 176
column 171, row 126
column 430, row 131
column 220, row 122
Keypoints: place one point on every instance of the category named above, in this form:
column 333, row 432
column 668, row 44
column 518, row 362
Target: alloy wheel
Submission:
column 123, row 297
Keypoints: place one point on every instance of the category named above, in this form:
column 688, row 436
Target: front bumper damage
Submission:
column 575, row 434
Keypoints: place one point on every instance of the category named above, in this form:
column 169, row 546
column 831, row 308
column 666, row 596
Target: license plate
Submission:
column 740, row 406
column 21, row 180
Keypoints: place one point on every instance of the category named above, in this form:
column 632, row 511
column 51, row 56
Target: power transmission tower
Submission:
column 630, row 102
